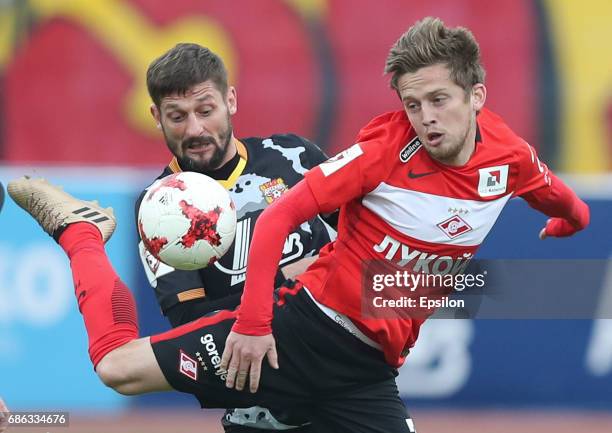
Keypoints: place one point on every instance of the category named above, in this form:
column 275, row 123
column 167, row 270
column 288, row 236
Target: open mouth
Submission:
column 197, row 146
column 198, row 149
column 434, row 138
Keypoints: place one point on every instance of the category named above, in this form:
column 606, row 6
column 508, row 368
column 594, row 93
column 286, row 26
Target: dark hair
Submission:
column 429, row 42
column 182, row 67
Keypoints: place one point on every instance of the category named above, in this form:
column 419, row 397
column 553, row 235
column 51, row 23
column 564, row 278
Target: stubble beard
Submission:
column 448, row 155
column 214, row 162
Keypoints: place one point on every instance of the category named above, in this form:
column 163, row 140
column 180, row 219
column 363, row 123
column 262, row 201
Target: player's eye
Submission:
column 412, row 106
column 439, row 100
column 206, row 111
column 176, row 117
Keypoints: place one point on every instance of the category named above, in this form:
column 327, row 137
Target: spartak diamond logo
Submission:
column 188, row 366
column 454, row 226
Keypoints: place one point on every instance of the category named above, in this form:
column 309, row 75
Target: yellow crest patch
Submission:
column 273, row 189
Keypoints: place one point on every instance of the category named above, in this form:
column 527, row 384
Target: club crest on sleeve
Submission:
column 188, row 366
column 493, row 180
column 340, row 160
column 410, row 149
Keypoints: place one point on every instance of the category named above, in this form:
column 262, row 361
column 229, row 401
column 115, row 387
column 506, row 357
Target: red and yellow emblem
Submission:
column 273, row 189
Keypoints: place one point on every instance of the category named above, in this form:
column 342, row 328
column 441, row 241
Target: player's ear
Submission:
column 232, row 100
column 479, row 95
column 156, row 115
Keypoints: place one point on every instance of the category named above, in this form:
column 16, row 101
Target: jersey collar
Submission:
column 234, row 175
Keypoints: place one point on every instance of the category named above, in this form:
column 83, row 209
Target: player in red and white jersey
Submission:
column 396, row 200
column 421, row 189
column 422, row 186
column 398, row 203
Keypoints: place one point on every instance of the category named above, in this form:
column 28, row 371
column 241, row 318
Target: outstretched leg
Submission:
column 121, row 360
column 186, row 359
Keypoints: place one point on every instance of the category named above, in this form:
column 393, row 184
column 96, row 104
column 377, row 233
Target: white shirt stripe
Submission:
column 416, row 214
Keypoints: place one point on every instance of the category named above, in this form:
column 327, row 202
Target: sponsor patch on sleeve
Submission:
column 335, row 163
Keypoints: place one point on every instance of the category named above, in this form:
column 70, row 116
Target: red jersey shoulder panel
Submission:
column 359, row 169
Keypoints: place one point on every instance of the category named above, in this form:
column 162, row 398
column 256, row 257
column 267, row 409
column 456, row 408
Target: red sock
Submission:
column 107, row 305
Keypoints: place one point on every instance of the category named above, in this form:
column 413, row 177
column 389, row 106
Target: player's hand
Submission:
column 557, row 227
column 560, row 227
column 242, row 357
column 3, row 416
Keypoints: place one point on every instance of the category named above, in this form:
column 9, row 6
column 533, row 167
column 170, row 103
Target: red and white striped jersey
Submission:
column 400, row 205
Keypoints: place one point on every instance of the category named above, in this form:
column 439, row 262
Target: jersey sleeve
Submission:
column 545, row 192
column 348, row 175
column 533, row 173
column 363, row 166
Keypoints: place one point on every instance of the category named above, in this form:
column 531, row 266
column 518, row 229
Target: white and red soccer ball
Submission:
column 187, row 220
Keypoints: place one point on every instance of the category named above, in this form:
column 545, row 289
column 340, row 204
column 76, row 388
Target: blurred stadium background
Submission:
column 73, row 106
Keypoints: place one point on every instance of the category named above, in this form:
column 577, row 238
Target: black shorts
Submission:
column 327, row 376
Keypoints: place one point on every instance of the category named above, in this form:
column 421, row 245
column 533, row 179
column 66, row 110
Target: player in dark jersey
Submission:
column 261, row 171
column 325, row 358
column 257, row 172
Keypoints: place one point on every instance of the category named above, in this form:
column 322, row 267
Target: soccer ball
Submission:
column 187, row 220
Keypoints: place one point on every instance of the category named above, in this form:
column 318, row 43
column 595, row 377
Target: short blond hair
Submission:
column 429, row 42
